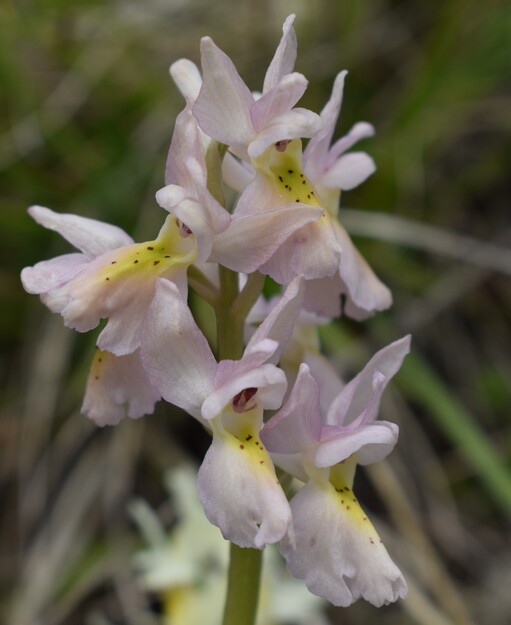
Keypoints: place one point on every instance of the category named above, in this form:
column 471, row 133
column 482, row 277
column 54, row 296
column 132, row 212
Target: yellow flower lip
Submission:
column 282, row 163
column 170, row 249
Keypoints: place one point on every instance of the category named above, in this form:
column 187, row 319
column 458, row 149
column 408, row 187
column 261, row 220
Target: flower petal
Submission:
column 372, row 443
column 50, row 274
column 367, row 387
column 187, row 77
column 280, row 322
column 240, row 492
column 90, row 236
column 284, row 58
column 270, row 382
column 250, row 241
column 278, row 100
column 349, row 171
column 361, row 130
column 116, row 387
column 296, row 427
column 175, row 353
column 338, row 553
column 365, row 292
column 315, row 154
column 223, row 105
column 294, row 124
column 313, row 251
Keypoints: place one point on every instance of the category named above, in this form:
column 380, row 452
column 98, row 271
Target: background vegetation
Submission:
column 86, row 115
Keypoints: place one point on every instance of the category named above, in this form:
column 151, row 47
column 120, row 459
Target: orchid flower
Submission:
column 335, row 548
column 228, row 112
column 237, row 483
column 112, row 277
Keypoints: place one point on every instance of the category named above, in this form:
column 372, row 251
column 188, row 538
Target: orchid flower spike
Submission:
column 237, row 483
column 335, row 548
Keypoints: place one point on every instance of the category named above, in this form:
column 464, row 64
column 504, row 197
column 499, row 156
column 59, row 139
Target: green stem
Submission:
column 243, row 589
column 229, row 325
column 245, row 564
column 202, row 286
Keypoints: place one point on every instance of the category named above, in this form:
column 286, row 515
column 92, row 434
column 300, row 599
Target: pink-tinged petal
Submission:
column 223, row 105
column 325, row 374
column 280, row 99
column 238, row 175
column 187, row 78
column 254, row 356
column 296, row 427
column 365, row 292
column 186, row 143
column 50, row 274
column 315, row 155
column 250, row 241
column 361, row 130
column 323, row 296
column 294, row 124
column 367, row 387
column 349, row 171
column 372, row 443
column 117, row 387
column 312, row 252
column 280, row 321
column 337, row 552
column 240, row 492
column 90, row 236
column 284, row 58
column 270, row 382
column 119, row 285
column 175, row 353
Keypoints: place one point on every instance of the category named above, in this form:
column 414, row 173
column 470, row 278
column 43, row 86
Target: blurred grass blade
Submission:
column 422, row 384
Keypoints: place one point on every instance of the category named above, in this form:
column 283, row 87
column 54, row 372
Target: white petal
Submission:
column 280, row 322
column 236, row 174
column 296, row 427
column 278, row 100
column 223, row 105
column 361, row 130
column 284, row 58
column 50, row 274
column 315, row 155
column 241, row 494
column 116, row 387
column 338, row 553
column 88, row 235
column 372, row 443
column 323, row 296
column 175, row 353
column 294, row 124
column 270, row 382
column 365, row 291
column 349, row 171
column 368, row 385
column 187, row 77
column 313, row 251
column 250, row 241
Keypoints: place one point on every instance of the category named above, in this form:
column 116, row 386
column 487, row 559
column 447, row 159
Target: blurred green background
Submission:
column 86, row 115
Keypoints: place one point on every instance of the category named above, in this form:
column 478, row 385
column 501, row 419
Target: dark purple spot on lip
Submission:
column 156, row 262
column 135, row 262
column 150, row 248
